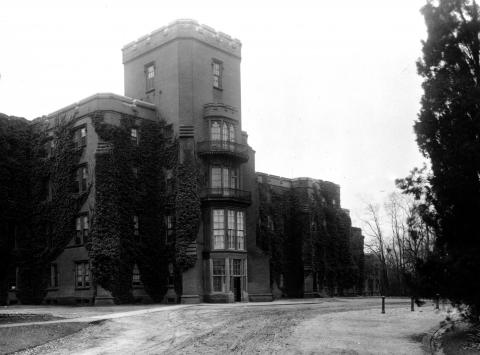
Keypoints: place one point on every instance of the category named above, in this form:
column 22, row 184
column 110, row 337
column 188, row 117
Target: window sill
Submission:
column 219, row 89
column 82, row 288
column 149, row 91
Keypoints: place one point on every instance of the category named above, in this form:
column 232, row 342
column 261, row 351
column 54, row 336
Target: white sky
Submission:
column 329, row 88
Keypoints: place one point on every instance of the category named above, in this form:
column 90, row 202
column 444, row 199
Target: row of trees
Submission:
column 400, row 239
column 434, row 244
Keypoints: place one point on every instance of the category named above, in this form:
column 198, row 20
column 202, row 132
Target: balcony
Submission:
column 223, row 148
column 226, row 194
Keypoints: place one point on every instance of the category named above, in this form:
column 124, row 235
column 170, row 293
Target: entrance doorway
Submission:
column 237, row 289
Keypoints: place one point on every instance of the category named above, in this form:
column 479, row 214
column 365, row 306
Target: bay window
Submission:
column 218, row 229
column 231, row 224
column 222, row 131
column 224, row 178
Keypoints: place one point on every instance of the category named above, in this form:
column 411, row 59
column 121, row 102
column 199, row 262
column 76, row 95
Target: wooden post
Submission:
column 412, row 307
column 437, row 302
column 383, row 304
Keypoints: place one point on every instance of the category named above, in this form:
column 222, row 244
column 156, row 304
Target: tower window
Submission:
column 217, row 69
column 149, row 77
column 230, row 224
column 223, row 132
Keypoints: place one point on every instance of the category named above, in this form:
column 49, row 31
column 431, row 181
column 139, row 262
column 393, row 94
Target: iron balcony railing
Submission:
column 221, row 193
column 223, row 147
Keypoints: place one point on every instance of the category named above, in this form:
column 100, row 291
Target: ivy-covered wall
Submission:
column 130, row 181
column 40, row 200
column 306, row 234
column 14, row 192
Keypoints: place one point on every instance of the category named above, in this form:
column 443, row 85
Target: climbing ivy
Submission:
column 14, row 193
column 187, row 212
column 130, row 181
column 42, row 192
column 306, row 235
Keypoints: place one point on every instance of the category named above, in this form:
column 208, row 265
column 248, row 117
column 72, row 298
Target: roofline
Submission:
column 107, row 95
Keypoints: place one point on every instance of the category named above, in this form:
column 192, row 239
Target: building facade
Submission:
column 168, row 205
column 314, row 249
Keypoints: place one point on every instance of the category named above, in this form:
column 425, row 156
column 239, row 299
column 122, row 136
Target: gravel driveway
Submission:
column 322, row 326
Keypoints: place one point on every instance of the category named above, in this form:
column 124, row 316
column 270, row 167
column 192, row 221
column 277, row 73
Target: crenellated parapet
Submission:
column 182, row 29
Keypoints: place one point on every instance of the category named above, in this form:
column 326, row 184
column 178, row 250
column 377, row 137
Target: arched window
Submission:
column 225, row 132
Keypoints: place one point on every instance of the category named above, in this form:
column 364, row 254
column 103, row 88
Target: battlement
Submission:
column 182, row 29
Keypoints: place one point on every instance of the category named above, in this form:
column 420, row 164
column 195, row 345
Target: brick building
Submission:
column 184, row 77
column 314, row 249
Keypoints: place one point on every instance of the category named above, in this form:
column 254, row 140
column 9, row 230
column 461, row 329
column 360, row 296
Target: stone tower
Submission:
column 191, row 73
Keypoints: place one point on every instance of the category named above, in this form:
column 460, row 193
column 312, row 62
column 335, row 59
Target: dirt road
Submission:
column 320, row 326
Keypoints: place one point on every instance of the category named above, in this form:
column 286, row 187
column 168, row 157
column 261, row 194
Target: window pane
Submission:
column 216, row 178
column 225, row 132
column 218, row 220
column 237, row 267
column 234, row 178
column 225, row 177
column 218, row 266
column 232, row 133
column 150, row 72
column 215, row 131
column 216, row 69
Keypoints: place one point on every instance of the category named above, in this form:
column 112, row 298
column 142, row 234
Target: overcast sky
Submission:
column 329, row 88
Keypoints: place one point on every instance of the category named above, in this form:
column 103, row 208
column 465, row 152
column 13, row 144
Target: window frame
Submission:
column 169, row 228
column 81, row 178
column 150, row 80
column 219, row 275
column 224, row 177
column 134, row 136
column 136, row 277
column 80, row 134
column 222, row 131
column 82, row 226
column 234, row 238
column 86, row 275
column 217, row 74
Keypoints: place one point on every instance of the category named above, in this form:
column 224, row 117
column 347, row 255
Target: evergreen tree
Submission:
column 448, row 133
